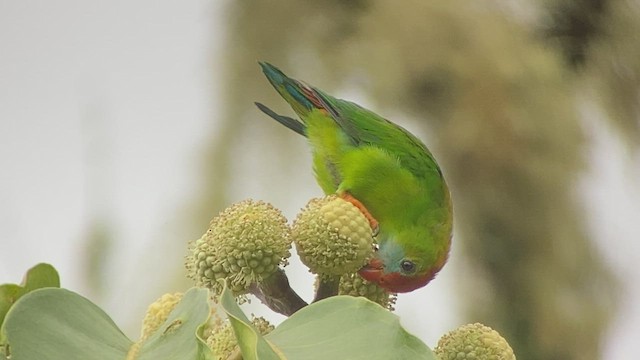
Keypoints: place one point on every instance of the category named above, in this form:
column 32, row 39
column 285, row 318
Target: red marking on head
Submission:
column 395, row 282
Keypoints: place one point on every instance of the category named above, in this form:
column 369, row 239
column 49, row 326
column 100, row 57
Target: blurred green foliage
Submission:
column 499, row 98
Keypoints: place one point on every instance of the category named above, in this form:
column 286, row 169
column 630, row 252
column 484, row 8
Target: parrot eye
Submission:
column 407, row 266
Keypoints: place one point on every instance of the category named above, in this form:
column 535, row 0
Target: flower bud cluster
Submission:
column 245, row 243
column 352, row 284
column 332, row 236
column 158, row 312
column 473, row 341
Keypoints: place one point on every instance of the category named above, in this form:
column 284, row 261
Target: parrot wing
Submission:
column 366, row 128
column 361, row 126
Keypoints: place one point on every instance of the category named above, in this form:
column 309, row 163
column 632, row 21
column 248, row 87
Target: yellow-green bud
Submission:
column 473, row 341
column 223, row 342
column 245, row 243
column 158, row 312
column 332, row 236
column 262, row 325
column 352, row 284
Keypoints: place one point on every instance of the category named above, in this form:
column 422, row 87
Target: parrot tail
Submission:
column 292, row 124
column 301, row 98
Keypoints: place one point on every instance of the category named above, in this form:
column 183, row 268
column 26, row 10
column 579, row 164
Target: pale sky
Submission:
column 142, row 74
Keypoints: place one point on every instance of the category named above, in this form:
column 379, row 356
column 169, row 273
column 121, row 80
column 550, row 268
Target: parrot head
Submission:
column 399, row 269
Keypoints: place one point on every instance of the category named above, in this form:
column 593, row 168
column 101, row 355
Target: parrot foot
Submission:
column 375, row 228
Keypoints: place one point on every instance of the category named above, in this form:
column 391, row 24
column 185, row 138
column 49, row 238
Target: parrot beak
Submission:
column 392, row 282
column 373, row 271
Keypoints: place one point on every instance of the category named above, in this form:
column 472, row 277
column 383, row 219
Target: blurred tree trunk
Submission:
column 241, row 86
column 504, row 125
column 600, row 39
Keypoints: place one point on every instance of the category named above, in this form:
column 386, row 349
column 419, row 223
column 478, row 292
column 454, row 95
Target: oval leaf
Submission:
column 345, row 327
column 40, row 276
column 56, row 323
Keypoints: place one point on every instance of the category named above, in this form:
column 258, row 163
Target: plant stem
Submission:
column 277, row 294
column 327, row 287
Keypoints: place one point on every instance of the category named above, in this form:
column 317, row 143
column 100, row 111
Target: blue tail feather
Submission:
column 290, row 89
column 274, row 74
column 292, row 124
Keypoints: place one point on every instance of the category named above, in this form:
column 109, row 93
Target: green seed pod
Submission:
column 352, row 284
column 244, row 244
column 473, row 341
column 158, row 312
column 332, row 236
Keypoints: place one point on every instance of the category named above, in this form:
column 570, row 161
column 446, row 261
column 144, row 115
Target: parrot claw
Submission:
column 375, row 227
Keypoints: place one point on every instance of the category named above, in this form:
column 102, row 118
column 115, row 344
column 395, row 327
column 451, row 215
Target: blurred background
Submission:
column 126, row 126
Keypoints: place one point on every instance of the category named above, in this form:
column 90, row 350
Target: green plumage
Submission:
column 386, row 168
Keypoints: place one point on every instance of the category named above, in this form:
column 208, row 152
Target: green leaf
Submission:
column 345, row 327
column 251, row 343
column 59, row 324
column 56, row 323
column 9, row 294
column 177, row 337
column 39, row 276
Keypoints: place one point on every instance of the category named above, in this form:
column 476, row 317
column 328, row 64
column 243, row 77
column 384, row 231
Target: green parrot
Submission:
column 385, row 171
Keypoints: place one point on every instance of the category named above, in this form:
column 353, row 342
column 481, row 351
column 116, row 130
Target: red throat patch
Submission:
column 394, row 282
column 397, row 283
